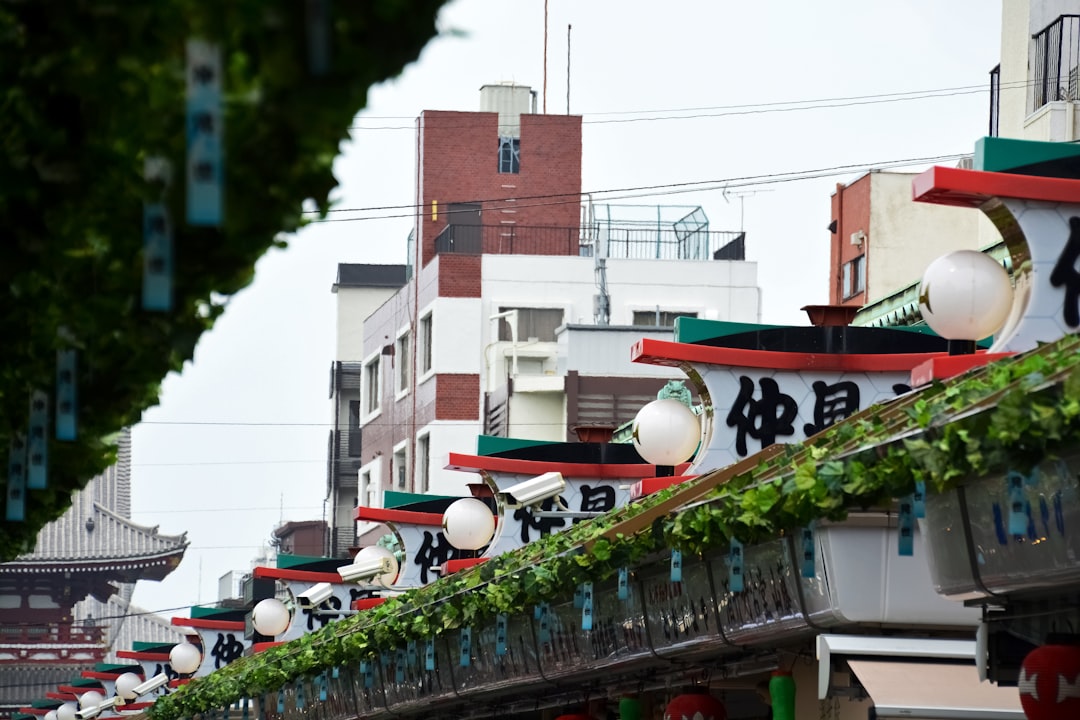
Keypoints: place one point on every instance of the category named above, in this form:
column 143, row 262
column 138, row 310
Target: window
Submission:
column 659, row 318
column 539, row 323
column 400, row 468
column 372, row 386
column 509, row 155
column 404, row 363
column 423, row 463
column 853, row 277
column 424, row 355
column 369, row 491
column 354, row 428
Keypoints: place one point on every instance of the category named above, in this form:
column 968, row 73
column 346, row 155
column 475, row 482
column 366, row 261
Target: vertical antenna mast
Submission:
column 568, row 69
column 545, row 54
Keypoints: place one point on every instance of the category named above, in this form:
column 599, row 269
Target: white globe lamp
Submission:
column 51, row 715
column 126, row 684
column 666, row 432
column 375, row 553
column 90, row 699
column 270, row 617
column 468, row 524
column 965, row 296
column 67, row 711
column 185, row 658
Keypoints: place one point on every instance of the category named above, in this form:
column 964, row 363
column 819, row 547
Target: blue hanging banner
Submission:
column 905, row 522
column 919, row 499
column 335, row 672
column 1018, row 504
column 300, row 700
column 429, row 654
column 37, row 473
column 807, row 557
column 157, row 289
column 413, row 655
column 501, row 632
column 16, row 485
column 676, row 566
column 579, row 597
column 205, row 154
column 317, row 19
column 399, row 666
column 735, row 566
column 545, row 623
column 466, row 647
column 323, row 687
column 66, row 395
column 587, row 607
column 623, row 591
column 368, row 672
column 281, row 701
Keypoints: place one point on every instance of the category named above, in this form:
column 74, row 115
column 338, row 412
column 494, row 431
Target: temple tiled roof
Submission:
column 97, row 532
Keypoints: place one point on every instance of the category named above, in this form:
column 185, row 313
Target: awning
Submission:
column 937, row 690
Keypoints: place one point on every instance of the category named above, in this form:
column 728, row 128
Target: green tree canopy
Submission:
column 88, row 91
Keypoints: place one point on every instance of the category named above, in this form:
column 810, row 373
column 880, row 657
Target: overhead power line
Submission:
column 650, row 190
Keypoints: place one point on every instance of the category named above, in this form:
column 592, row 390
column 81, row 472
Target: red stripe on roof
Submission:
column 971, row 188
column 665, row 352
column 208, row 624
column 304, row 575
column 411, row 517
column 468, row 463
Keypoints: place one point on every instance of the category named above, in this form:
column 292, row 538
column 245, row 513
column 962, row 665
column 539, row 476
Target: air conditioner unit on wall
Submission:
column 858, row 238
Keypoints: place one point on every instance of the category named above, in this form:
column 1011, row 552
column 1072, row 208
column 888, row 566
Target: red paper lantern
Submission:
column 1050, row 682
column 695, row 706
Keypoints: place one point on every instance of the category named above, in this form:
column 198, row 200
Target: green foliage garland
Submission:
column 1011, row 414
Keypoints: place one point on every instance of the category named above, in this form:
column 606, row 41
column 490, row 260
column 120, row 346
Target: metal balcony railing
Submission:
column 658, row 243
column 1055, row 63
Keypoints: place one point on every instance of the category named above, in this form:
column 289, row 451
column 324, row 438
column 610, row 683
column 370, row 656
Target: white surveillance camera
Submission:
column 150, row 685
column 532, row 492
column 316, row 595
column 365, row 569
column 88, row 714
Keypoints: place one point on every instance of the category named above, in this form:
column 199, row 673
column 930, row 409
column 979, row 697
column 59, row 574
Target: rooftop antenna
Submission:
column 545, row 53
column 567, row 68
column 742, row 202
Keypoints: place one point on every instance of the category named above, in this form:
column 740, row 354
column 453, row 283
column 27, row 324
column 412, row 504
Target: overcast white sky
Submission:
column 239, row 440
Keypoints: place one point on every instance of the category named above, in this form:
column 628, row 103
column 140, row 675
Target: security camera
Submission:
column 92, row 712
column 316, row 595
column 150, row 685
column 365, row 569
column 534, row 491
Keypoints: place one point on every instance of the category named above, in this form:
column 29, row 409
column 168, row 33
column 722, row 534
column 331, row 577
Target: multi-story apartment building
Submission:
column 881, row 241
column 511, row 270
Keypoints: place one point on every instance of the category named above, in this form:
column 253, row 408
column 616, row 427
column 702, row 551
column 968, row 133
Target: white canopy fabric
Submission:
column 934, row 691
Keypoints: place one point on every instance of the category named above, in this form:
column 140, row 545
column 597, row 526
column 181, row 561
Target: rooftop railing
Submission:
column 642, row 243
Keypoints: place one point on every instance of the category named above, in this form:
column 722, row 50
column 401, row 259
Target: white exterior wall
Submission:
column 1015, row 38
column 354, row 305
column 446, row 437
column 539, row 415
column 606, row 352
column 456, row 334
column 713, row 289
column 906, row 236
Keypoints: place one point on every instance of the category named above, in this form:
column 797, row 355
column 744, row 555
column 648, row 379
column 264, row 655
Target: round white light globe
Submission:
column 965, row 295
column 185, row 658
column 666, row 432
column 270, row 617
column 67, row 711
column 126, row 684
column 51, row 715
column 374, row 552
column 468, row 524
column 90, row 699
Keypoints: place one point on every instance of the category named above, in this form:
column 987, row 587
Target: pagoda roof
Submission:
column 101, row 539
